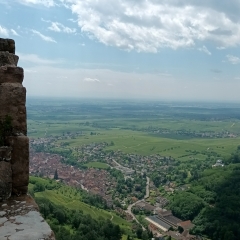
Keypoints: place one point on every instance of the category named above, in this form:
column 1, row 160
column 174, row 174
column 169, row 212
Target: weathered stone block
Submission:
column 5, row 153
column 7, row 59
column 5, row 180
column 7, row 45
column 20, row 220
column 10, row 74
column 12, row 103
column 20, row 163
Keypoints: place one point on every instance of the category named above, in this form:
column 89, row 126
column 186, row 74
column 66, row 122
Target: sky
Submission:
column 128, row 49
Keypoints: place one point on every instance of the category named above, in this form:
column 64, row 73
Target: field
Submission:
column 97, row 165
column 183, row 132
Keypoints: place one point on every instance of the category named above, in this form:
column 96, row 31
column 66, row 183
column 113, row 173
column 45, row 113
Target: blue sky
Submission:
column 150, row 49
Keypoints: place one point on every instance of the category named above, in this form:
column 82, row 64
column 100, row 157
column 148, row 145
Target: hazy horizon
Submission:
column 131, row 100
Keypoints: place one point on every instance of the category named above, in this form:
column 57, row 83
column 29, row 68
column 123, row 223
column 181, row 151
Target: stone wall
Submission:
column 12, row 103
column 19, row 215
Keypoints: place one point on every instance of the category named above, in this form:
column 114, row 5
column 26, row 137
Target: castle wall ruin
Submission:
column 19, row 214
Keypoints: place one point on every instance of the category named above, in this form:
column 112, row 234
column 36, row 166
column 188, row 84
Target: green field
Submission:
column 99, row 165
column 133, row 131
column 144, row 144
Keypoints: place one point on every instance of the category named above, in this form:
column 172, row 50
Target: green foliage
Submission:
column 186, row 205
column 221, row 220
column 213, row 202
column 94, row 200
column 84, row 226
column 5, row 129
column 116, row 173
column 39, row 187
column 200, row 191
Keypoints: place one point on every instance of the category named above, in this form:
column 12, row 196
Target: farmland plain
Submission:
column 179, row 130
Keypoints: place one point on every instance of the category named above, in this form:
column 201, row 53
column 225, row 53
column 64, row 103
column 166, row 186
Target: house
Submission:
column 218, row 163
column 186, row 225
column 144, row 206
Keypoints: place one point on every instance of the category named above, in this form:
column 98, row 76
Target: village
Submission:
column 99, row 181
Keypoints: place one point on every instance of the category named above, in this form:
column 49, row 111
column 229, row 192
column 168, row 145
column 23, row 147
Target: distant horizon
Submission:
column 167, row 101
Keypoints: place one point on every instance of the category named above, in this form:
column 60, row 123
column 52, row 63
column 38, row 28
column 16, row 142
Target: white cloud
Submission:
column 221, row 48
column 43, row 37
column 58, row 27
column 3, row 31
column 46, row 3
column 233, row 59
column 54, row 27
column 204, row 49
column 149, row 25
column 33, row 58
column 91, row 80
column 72, row 20
column 14, row 32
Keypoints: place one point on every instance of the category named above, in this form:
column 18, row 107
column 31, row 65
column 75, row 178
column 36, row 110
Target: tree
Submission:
column 180, row 229
column 144, row 235
column 56, row 175
column 139, row 232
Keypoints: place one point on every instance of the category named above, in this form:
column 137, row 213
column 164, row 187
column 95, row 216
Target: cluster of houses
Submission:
column 139, row 163
column 93, row 180
column 128, row 163
column 194, row 134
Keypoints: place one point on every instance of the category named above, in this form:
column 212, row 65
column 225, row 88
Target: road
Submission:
column 129, row 211
column 117, row 163
column 147, row 188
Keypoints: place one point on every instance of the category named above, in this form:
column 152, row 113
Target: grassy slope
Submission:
column 69, row 197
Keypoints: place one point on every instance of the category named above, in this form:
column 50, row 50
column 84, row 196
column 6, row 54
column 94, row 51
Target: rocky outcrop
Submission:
column 19, row 215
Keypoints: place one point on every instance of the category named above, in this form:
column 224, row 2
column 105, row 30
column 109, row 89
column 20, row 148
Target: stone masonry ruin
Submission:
column 19, row 215
column 14, row 156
